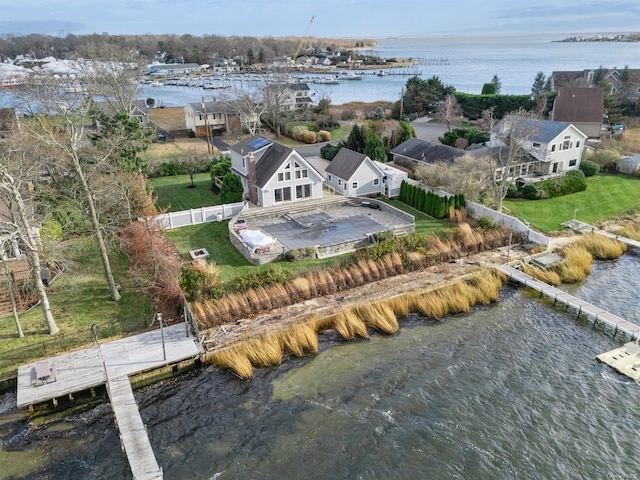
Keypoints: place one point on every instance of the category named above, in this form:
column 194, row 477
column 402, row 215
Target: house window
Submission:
column 329, row 177
column 553, row 148
column 376, row 181
column 354, row 185
column 578, row 144
column 572, row 163
column 339, row 182
column 282, row 194
column 284, row 176
column 566, row 145
column 554, row 168
column 303, row 191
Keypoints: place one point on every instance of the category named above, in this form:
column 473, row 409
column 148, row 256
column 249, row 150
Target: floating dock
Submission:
column 111, row 364
column 624, row 360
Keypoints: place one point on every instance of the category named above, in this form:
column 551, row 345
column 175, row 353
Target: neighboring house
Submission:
column 625, row 81
column 8, row 121
column 217, row 117
column 272, row 174
column 555, row 147
column 139, row 110
column 354, row 175
column 176, row 69
column 293, row 96
column 582, row 107
column 392, row 179
column 414, row 152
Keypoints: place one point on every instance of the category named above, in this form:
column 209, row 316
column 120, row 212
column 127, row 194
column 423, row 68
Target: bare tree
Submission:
column 18, row 219
column 276, row 95
column 10, row 283
column 449, row 109
column 511, row 146
column 250, row 106
column 468, row 175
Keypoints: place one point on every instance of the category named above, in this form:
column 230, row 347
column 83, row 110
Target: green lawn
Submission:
column 174, row 194
column 79, row 298
column 214, row 236
column 424, row 223
column 606, row 196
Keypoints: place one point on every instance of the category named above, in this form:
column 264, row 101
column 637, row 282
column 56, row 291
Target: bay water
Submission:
column 466, row 62
column 510, row 390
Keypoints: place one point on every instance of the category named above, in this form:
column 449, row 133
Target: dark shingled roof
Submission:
column 534, row 129
column 428, row 152
column 269, row 163
column 579, row 105
column 345, row 163
column 212, row 107
column 244, row 148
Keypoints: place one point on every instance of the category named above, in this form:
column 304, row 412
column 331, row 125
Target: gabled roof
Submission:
column 533, row 129
column 428, row 152
column 501, row 153
column 253, row 144
column 212, row 107
column 579, row 105
column 345, row 163
column 269, row 163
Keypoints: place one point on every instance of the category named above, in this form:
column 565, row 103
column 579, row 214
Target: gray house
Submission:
column 414, row 152
column 582, row 107
column 353, row 174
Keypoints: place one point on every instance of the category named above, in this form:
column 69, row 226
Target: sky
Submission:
column 331, row 18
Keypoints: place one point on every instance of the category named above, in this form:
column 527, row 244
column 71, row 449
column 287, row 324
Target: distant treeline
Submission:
column 173, row 48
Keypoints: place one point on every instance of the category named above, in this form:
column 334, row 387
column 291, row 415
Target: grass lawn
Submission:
column 606, row 196
column 79, row 298
column 214, row 236
column 174, row 194
column 424, row 223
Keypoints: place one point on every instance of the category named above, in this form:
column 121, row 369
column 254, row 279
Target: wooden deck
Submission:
column 112, row 363
column 133, row 432
column 582, row 307
column 582, row 227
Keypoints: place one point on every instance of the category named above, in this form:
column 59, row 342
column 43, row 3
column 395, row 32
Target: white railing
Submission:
column 196, row 216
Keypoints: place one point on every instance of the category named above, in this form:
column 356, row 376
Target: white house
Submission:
column 392, row 179
column 554, row 147
column 293, row 96
column 353, row 174
column 272, row 174
column 216, row 117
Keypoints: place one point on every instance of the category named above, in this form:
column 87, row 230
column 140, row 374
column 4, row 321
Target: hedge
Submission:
column 428, row 202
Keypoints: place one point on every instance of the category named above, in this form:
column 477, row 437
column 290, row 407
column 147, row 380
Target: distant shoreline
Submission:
column 602, row 37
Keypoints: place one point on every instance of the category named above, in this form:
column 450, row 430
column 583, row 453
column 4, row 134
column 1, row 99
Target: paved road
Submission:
column 427, row 129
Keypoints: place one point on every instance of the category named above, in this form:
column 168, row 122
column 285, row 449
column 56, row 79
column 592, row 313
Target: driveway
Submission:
column 427, row 129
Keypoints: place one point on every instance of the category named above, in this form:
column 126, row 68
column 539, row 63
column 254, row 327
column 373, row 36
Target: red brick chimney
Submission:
column 253, row 190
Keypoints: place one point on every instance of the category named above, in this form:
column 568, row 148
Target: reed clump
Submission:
column 298, row 340
column 349, row 325
column 601, row 247
column 577, row 264
column 232, row 359
column 550, row 277
column 379, row 316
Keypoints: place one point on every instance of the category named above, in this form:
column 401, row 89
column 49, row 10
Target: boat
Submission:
column 382, row 73
column 352, row 76
column 12, row 81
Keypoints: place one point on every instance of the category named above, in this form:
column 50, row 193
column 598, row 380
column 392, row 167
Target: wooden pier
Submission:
column 582, row 307
column 624, row 360
column 582, row 227
column 112, row 363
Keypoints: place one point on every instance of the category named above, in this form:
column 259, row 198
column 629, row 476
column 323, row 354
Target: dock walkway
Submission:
column 582, row 227
column 582, row 307
column 112, row 363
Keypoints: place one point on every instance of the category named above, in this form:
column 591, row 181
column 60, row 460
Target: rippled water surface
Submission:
column 511, row 390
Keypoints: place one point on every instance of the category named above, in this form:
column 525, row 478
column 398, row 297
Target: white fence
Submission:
column 196, row 216
column 476, row 211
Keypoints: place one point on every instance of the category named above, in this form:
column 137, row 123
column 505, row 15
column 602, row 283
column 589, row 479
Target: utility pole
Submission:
column 206, row 126
column 401, row 102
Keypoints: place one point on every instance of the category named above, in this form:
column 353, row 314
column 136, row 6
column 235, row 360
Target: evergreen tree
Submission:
column 496, row 81
column 231, row 189
column 539, row 84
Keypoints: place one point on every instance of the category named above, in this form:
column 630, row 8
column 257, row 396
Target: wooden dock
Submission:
column 582, row 227
column 582, row 307
column 133, row 433
column 112, row 363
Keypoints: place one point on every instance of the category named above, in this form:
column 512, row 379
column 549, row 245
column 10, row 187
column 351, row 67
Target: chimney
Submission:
column 253, row 190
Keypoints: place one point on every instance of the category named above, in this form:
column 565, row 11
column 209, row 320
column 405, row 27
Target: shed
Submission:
column 630, row 165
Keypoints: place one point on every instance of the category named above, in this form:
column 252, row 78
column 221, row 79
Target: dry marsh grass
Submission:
column 379, row 316
column 349, row 325
column 602, row 248
column 233, row 360
column 547, row 276
column 577, row 264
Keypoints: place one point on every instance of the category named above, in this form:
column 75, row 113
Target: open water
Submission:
column 466, row 62
column 511, row 390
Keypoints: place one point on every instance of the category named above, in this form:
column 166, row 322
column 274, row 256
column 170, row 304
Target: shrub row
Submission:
column 573, row 181
column 428, row 202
